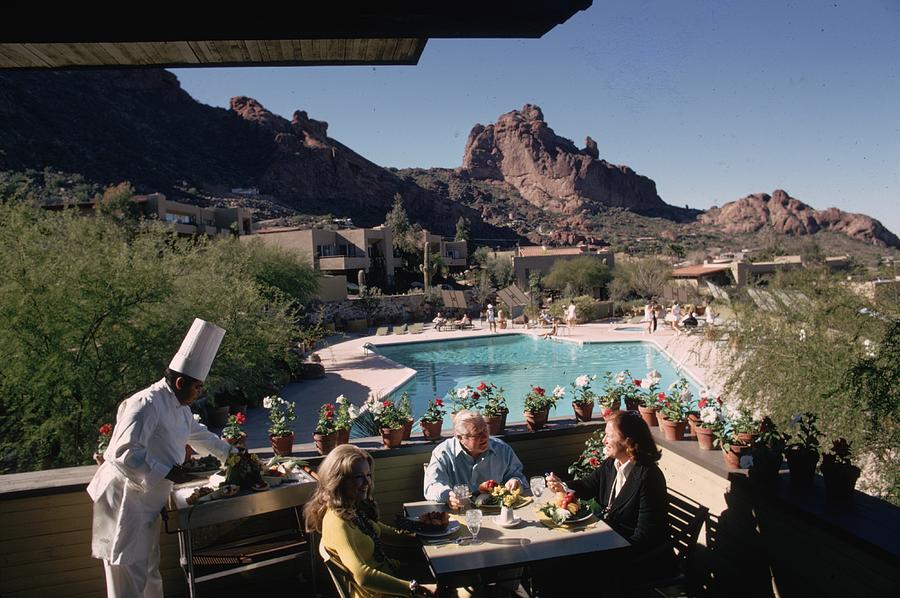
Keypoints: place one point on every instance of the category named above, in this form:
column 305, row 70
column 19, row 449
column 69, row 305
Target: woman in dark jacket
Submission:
column 632, row 488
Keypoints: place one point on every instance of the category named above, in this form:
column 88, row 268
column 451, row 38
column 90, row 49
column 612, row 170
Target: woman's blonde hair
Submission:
column 336, row 467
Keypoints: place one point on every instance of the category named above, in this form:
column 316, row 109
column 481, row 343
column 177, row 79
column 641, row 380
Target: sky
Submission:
column 713, row 100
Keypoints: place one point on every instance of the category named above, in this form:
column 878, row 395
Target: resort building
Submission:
column 539, row 258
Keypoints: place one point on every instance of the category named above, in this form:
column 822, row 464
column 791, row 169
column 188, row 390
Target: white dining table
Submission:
column 500, row 548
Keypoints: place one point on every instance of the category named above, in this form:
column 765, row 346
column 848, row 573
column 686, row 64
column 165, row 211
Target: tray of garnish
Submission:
column 202, row 467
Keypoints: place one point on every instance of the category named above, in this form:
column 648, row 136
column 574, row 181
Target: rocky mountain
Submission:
column 791, row 216
column 552, row 173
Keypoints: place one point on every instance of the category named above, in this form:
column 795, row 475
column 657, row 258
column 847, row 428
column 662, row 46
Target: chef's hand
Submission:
column 512, row 484
column 554, row 484
column 177, row 475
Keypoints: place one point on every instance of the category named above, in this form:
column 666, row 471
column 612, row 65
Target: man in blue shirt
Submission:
column 471, row 457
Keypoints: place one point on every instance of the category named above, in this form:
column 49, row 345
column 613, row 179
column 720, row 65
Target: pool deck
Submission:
column 355, row 371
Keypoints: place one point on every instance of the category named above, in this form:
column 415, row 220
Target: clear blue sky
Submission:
column 713, row 100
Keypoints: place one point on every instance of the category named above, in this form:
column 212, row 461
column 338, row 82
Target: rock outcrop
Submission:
column 791, row 216
column 552, row 173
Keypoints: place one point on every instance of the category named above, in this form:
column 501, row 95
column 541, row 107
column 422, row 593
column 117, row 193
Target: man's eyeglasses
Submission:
column 476, row 436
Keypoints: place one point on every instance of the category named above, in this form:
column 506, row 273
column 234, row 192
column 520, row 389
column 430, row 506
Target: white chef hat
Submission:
column 198, row 349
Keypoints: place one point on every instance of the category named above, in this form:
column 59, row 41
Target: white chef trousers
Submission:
column 136, row 580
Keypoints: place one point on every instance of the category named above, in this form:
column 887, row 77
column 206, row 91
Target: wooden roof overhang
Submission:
column 76, row 36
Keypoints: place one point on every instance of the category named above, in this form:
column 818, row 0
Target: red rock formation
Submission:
column 790, row 216
column 551, row 172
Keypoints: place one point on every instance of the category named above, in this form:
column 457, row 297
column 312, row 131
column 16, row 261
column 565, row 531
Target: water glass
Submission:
column 473, row 521
column 462, row 494
column 538, row 484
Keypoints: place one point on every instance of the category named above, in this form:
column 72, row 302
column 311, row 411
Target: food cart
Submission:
column 249, row 553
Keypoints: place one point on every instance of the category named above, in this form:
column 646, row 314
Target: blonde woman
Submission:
column 342, row 511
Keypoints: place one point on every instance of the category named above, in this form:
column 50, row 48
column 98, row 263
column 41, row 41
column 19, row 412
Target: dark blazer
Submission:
column 638, row 513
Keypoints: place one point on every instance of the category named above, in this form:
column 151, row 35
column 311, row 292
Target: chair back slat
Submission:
column 685, row 522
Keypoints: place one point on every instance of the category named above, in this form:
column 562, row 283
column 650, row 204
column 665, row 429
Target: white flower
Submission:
column 268, row 403
column 709, row 415
column 620, row 377
column 376, row 407
column 582, row 381
column 802, row 334
column 353, row 411
column 463, row 393
column 731, row 410
column 559, row 392
column 562, row 514
column 673, row 385
column 654, row 375
column 340, row 400
column 196, row 417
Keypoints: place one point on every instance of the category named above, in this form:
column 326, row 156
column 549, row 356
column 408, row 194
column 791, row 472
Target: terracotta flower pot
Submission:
column 649, row 415
column 392, row 438
column 407, row 429
column 733, row 456
column 705, row 438
column 282, row 445
column 802, row 464
column 693, row 423
column 343, row 436
column 840, row 480
column 745, row 438
column 583, row 411
column 672, row 430
column 536, row 419
column 496, row 424
column 432, row 430
column 239, row 441
column 325, row 443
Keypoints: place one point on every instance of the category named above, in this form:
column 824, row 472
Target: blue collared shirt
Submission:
column 451, row 465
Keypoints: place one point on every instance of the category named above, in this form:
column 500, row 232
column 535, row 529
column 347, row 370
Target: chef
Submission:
column 143, row 461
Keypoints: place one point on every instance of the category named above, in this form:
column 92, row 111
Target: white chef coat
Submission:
column 130, row 488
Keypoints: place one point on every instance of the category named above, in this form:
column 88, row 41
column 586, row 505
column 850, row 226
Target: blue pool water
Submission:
column 516, row 362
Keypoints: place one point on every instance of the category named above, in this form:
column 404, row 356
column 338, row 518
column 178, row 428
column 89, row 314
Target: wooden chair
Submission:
column 343, row 581
column 686, row 518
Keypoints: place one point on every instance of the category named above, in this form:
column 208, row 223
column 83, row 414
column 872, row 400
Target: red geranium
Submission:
column 476, row 396
column 481, row 387
column 661, row 396
column 637, row 383
column 703, row 402
column 106, row 429
column 240, row 418
column 387, row 403
column 439, row 402
column 539, row 390
column 594, row 462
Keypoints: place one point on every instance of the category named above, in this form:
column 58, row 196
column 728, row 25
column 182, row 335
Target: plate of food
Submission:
column 273, row 477
column 259, row 487
column 435, row 524
column 567, row 510
column 494, row 495
column 225, row 491
column 202, row 467
column 199, row 495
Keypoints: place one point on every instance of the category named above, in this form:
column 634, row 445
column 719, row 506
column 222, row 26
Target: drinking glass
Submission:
column 473, row 521
column 462, row 493
column 537, row 483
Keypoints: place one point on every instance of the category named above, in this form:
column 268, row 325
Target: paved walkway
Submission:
column 354, row 371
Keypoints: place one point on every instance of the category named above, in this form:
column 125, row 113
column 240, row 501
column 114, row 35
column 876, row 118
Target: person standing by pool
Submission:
column 470, row 458
column 491, row 318
column 571, row 317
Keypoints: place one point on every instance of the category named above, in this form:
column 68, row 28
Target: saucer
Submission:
column 515, row 522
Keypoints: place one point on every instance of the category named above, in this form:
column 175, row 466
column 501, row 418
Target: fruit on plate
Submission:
column 565, row 507
column 487, row 487
column 567, row 500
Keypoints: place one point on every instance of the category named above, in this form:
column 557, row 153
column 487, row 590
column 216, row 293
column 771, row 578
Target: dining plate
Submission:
column 451, row 527
column 523, row 500
column 579, row 520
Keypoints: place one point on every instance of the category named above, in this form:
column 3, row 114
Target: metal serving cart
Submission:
column 247, row 553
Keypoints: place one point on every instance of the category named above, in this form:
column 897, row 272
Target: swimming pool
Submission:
column 516, row 362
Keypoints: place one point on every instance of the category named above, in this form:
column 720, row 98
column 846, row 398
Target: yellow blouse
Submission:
column 355, row 551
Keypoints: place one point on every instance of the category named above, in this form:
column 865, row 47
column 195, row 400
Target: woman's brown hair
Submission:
column 637, row 437
column 332, row 473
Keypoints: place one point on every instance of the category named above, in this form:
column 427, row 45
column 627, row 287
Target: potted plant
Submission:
column 672, row 412
column 538, row 404
column 495, row 409
column 232, row 432
column 591, row 457
column 838, row 471
column 802, row 452
column 344, row 420
column 281, row 422
column 389, row 420
column 628, row 391
column 405, row 408
column 105, row 433
column 326, row 436
column 583, row 398
column 768, row 452
column 466, row 398
column 731, row 448
column 646, row 392
column 433, row 419
column 745, row 426
column 709, row 419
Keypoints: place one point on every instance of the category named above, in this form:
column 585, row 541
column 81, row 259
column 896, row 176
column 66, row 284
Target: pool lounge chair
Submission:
column 382, row 331
column 416, row 328
column 402, row 329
